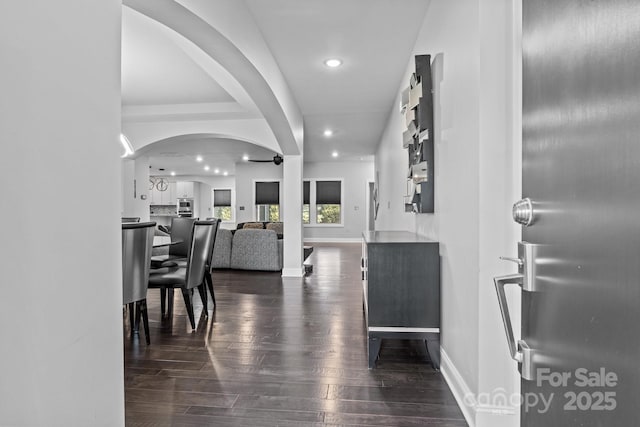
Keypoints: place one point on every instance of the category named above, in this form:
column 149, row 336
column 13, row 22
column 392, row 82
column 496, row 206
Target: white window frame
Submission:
column 313, row 207
column 233, row 204
column 254, row 214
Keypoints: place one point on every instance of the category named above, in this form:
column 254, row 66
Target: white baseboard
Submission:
column 293, row 272
column 495, row 416
column 461, row 391
column 477, row 414
column 333, row 240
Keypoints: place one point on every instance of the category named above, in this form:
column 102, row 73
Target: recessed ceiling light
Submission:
column 206, row 167
column 333, row 62
column 216, row 170
column 327, row 133
column 245, row 157
column 334, row 154
column 173, row 173
column 198, row 158
column 225, row 173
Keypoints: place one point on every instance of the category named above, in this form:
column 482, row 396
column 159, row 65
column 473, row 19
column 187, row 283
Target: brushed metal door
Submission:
column 581, row 169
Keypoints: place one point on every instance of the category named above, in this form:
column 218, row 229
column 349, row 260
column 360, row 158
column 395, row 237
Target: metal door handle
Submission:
column 501, row 282
column 520, row 351
column 523, row 212
column 516, row 260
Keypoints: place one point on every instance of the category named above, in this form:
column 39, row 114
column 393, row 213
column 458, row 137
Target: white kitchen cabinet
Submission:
column 184, row 190
column 151, row 191
column 167, row 197
column 152, row 196
column 171, row 194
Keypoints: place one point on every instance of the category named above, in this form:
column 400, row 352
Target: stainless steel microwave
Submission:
column 185, row 206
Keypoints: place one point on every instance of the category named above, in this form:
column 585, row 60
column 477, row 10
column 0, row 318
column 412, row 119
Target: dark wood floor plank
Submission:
column 392, row 394
column 159, row 408
column 228, row 387
column 262, row 414
column 280, row 353
column 440, row 411
column 385, row 420
column 180, row 398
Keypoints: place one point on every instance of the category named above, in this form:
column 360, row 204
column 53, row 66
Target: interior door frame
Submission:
column 514, row 296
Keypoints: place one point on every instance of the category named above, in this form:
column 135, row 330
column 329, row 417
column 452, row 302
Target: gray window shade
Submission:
column 306, row 190
column 267, row 193
column 221, row 197
column 328, row 192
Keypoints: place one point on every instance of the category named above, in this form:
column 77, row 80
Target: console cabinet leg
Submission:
column 433, row 348
column 374, row 349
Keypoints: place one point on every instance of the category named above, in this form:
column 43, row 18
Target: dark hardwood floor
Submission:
column 280, row 352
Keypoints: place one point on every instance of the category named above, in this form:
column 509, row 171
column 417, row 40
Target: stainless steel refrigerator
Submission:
column 579, row 259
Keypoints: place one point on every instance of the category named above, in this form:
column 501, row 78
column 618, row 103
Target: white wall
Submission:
column 500, row 186
column 61, row 313
column 450, row 31
column 355, row 176
column 128, row 173
column 475, row 162
column 207, row 184
column 135, row 179
column 205, row 197
column 196, row 198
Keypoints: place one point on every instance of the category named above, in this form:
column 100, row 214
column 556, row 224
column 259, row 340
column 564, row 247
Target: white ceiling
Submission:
column 374, row 38
column 155, row 71
column 179, row 155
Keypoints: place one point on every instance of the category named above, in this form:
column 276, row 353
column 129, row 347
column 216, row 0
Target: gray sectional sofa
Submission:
column 248, row 249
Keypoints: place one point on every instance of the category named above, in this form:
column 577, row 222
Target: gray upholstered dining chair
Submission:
column 208, row 278
column 208, row 281
column 137, row 242
column 189, row 277
column 181, row 229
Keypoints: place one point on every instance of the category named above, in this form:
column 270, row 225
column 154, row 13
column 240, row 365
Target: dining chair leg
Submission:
column 170, row 302
column 203, row 297
column 187, row 295
column 163, row 302
column 137, row 316
column 131, row 309
column 145, row 320
column 208, row 278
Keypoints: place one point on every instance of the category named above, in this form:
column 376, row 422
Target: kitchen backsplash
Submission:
column 163, row 210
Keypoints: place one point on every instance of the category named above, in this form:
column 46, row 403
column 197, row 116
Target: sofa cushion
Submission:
column 252, row 225
column 222, row 249
column 275, row 226
column 253, row 249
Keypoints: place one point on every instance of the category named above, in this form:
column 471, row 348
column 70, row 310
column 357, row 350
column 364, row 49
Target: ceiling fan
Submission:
column 277, row 160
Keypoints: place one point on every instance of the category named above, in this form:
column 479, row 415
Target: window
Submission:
column 322, row 202
column 306, row 202
column 267, row 201
column 328, row 202
column 222, row 205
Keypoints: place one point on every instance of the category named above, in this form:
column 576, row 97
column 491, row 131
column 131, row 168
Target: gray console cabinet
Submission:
column 401, row 290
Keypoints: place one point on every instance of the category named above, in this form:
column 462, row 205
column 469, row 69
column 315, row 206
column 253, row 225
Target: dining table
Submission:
column 164, row 241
